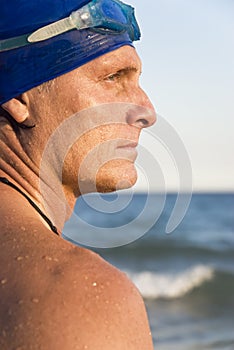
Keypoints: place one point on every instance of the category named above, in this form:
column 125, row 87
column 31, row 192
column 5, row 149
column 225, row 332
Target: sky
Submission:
column 187, row 50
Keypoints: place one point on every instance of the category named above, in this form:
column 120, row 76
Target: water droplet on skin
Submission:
column 4, row 281
column 9, row 312
column 118, row 306
column 35, row 300
column 46, row 257
column 94, row 284
column 19, row 258
column 49, row 258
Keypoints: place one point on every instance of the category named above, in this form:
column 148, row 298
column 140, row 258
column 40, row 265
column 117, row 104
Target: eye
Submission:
column 128, row 72
column 113, row 77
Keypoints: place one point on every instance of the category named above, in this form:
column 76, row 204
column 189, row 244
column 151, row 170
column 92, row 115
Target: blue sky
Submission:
column 187, row 49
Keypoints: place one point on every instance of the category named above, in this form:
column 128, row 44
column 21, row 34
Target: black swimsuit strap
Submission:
column 7, row 182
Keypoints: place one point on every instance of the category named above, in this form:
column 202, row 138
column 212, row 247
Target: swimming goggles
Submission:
column 102, row 16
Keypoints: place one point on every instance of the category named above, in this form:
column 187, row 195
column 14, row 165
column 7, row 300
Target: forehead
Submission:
column 123, row 57
column 110, row 63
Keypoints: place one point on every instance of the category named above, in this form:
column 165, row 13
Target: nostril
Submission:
column 141, row 117
column 143, row 122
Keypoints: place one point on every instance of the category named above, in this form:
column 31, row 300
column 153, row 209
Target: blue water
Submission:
column 186, row 278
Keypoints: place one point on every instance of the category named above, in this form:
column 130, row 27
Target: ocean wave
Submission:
column 170, row 286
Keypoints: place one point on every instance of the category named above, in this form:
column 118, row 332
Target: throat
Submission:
column 43, row 190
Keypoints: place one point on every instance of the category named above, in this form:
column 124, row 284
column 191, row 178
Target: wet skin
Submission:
column 54, row 295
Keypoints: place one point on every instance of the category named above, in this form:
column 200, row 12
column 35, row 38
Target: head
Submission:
column 100, row 103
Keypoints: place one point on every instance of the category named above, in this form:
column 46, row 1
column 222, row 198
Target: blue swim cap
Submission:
column 25, row 64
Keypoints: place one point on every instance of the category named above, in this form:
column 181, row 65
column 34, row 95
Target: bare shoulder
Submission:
column 111, row 311
column 54, row 295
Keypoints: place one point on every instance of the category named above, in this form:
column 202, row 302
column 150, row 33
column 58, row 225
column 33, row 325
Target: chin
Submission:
column 113, row 177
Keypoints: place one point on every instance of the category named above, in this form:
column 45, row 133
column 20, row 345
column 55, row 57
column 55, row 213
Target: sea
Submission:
column 186, row 277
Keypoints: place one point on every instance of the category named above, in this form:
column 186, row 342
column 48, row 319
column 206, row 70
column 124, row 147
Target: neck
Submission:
column 42, row 186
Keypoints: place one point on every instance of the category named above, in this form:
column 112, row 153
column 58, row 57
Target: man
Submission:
column 54, row 295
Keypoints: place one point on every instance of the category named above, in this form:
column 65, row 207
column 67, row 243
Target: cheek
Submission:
column 97, row 164
column 100, row 94
column 104, row 169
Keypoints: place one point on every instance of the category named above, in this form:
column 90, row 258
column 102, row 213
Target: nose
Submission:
column 142, row 114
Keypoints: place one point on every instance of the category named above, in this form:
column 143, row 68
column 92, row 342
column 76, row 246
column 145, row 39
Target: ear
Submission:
column 17, row 108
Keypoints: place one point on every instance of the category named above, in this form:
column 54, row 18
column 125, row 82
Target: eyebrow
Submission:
column 128, row 69
column 124, row 70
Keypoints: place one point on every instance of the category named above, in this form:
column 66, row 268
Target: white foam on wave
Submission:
column 170, row 286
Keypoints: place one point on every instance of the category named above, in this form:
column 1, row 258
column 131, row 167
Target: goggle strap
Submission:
column 51, row 30
column 13, row 43
column 79, row 19
column 46, row 32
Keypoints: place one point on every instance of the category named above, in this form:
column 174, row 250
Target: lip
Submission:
column 128, row 145
column 127, row 150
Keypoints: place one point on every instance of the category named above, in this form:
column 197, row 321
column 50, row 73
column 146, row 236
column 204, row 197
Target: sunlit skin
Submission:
column 111, row 78
column 80, row 301
column 114, row 78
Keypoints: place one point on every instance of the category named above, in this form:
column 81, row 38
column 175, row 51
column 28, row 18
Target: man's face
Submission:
column 110, row 109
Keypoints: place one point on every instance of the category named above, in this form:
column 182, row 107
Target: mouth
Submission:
column 128, row 145
column 127, row 150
